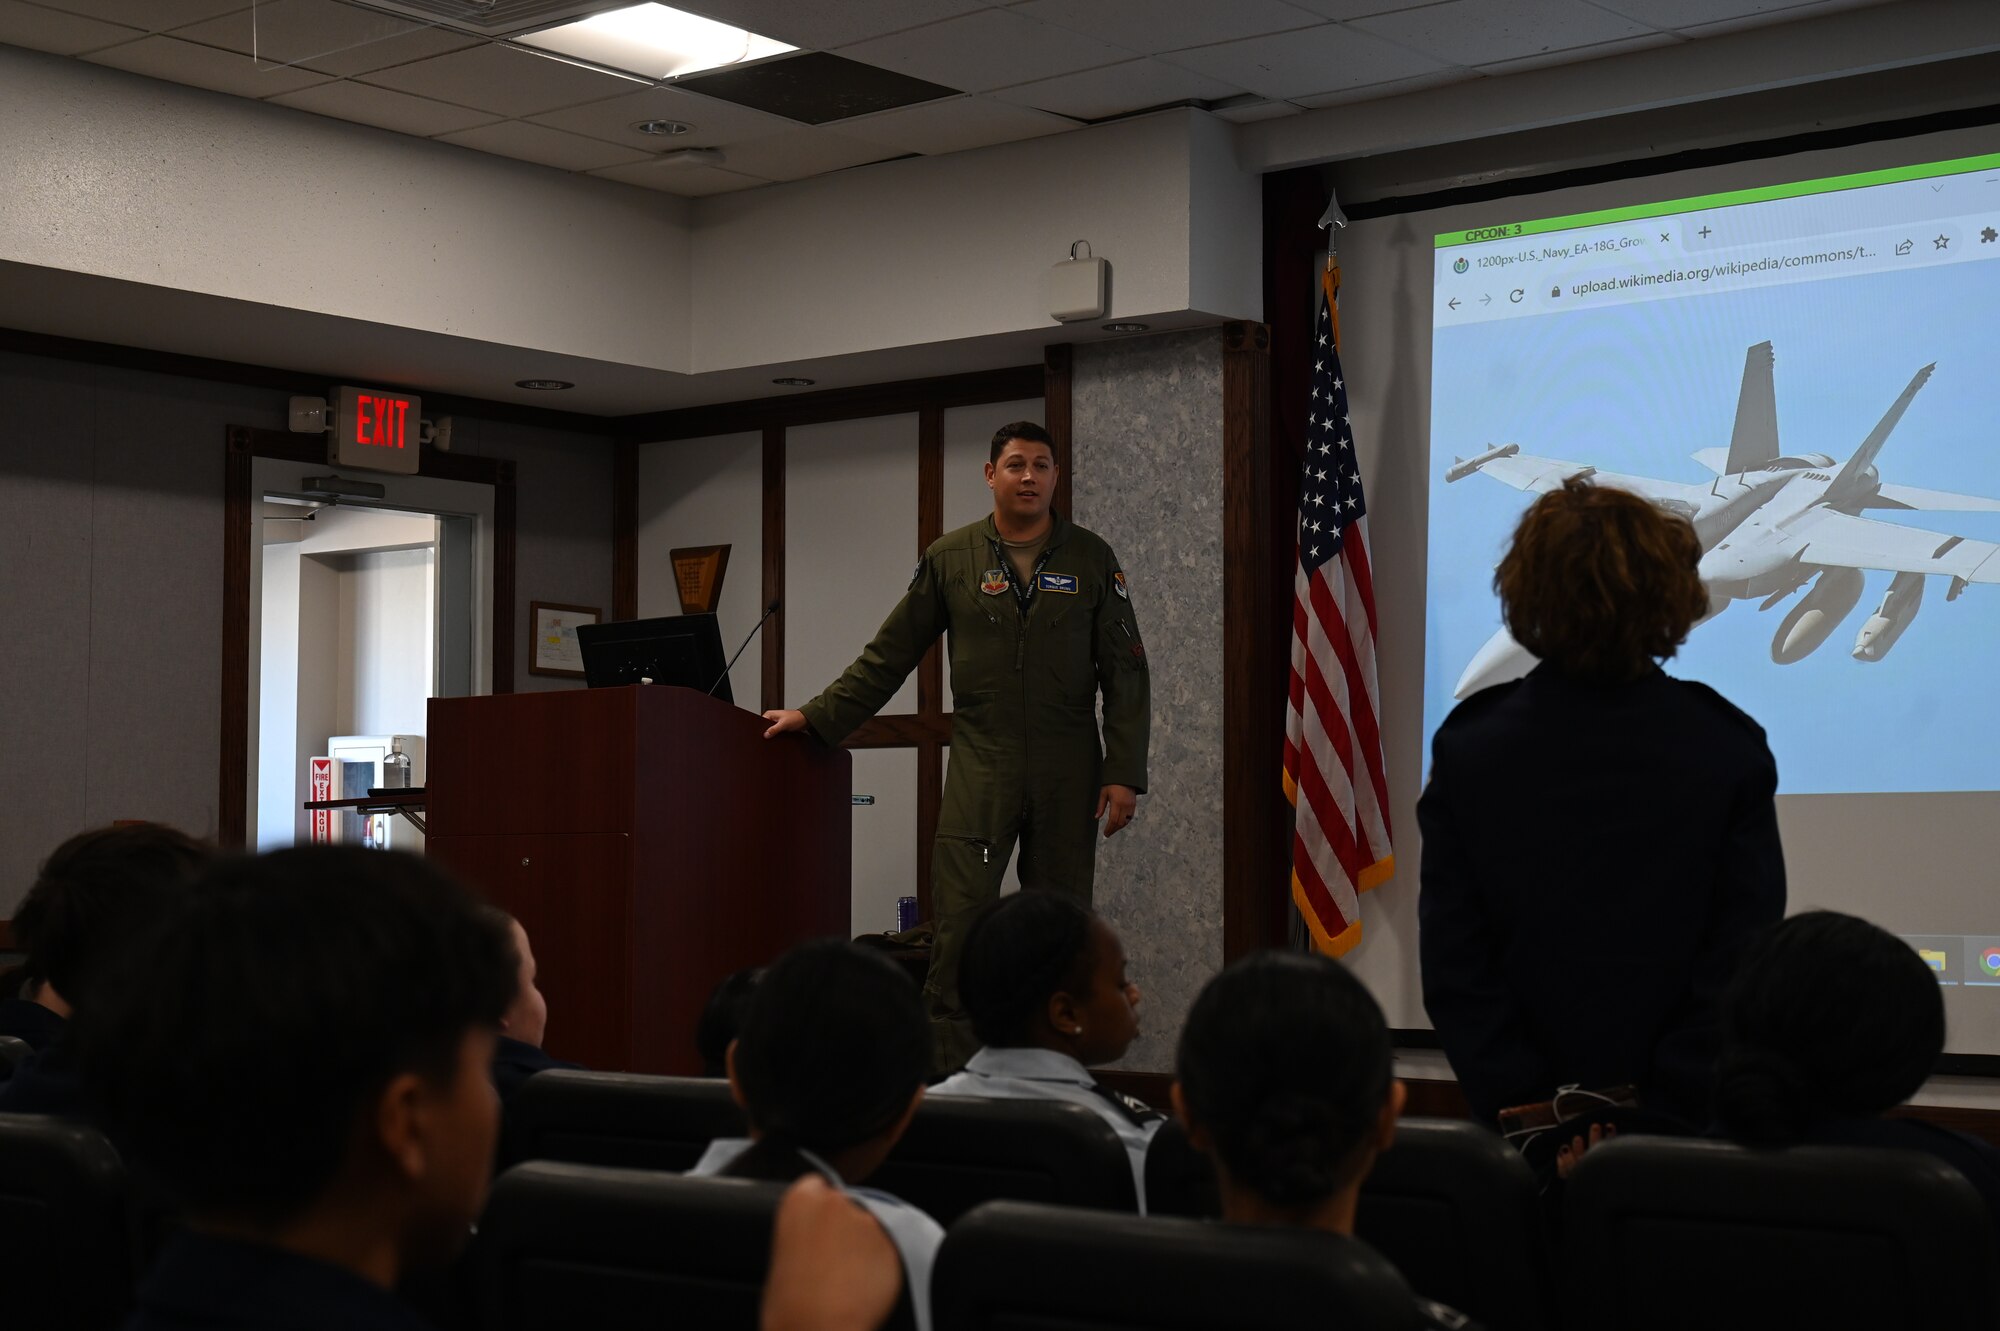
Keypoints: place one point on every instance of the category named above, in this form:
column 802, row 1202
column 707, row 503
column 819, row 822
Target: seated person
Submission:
column 518, row 1054
column 832, row 1267
column 299, row 1057
column 721, row 1017
column 1043, row 980
column 829, row 1068
column 1284, row 1078
column 97, row 890
column 1831, row 1023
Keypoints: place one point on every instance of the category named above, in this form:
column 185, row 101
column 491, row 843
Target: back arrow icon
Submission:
column 1452, row 304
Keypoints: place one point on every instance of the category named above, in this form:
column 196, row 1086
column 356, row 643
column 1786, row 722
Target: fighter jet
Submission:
column 1770, row 523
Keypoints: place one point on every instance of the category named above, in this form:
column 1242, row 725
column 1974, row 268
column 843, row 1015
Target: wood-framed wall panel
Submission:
column 243, row 444
column 927, row 730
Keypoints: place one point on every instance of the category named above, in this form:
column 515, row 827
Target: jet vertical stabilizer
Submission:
column 1754, row 442
column 1849, row 480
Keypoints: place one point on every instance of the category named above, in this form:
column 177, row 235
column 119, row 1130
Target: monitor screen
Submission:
column 673, row 649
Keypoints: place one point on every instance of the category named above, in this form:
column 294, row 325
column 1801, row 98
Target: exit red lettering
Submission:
column 381, row 422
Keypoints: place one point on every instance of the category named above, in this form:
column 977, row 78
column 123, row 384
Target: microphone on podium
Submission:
column 769, row 610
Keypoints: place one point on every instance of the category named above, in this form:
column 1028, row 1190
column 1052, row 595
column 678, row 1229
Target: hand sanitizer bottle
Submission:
column 396, row 767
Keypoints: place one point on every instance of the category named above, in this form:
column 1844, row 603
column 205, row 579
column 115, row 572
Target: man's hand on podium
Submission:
column 782, row 721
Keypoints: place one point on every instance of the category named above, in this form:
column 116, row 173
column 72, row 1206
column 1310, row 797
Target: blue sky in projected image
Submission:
column 1638, row 388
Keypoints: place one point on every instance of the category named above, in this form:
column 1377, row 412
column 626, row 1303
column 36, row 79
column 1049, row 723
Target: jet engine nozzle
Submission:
column 1886, row 625
column 1819, row 611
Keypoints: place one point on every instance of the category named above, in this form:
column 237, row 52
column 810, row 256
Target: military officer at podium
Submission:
column 1040, row 622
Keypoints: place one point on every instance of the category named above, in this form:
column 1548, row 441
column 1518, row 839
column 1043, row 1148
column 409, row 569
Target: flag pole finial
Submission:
column 1332, row 221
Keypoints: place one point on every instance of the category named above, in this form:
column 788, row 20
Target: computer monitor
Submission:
column 673, row 649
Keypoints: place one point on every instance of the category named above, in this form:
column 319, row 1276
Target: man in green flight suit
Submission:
column 1041, row 621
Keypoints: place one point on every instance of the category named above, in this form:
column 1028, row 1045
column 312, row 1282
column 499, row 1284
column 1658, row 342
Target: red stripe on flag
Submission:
column 1360, row 710
column 1355, row 553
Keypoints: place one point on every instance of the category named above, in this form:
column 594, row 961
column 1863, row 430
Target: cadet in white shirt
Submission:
column 1043, row 979
column 829, row 1066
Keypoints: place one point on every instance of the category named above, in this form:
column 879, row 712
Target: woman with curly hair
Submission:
column 1599, row 838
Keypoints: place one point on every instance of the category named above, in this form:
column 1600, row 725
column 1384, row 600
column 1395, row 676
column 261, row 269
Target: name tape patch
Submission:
column 1057, row 582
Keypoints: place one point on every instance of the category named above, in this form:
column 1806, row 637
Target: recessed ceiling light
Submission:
column 1126, row 328
column 667, row 128
column 544, row 385
column 793, row 381
column 654, row 40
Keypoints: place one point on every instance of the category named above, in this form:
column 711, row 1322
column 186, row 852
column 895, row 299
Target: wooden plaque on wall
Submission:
column 698, row 571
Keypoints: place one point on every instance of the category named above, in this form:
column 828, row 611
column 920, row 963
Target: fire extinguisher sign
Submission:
column 319, row 780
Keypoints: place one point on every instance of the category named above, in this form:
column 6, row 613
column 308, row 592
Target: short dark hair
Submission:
column 832, row 1047
column 97, row 889
column 1285, row 1061
column 721, row 1017
column 1828, row 1016
column 1019, row 951
column 1600, row 582
column 1027, row 430
column 232, row 1054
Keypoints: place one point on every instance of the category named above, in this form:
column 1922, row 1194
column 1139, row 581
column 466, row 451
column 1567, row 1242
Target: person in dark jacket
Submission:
column 1599, row 838
column 1831, row 1023
column 95, row 892
column 518, row 1053
column 299, row 1058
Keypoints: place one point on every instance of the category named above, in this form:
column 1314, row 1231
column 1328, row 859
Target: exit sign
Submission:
column 378, row 430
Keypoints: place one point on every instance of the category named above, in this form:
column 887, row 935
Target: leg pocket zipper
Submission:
column 985, row 846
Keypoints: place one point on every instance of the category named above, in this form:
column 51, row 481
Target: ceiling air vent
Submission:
column 491, row 18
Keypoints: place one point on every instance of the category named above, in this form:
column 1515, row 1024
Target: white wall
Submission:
column 933, row 249
column 126, row 177
column 279, row 779
column 388, row 620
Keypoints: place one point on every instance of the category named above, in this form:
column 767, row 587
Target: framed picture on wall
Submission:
column 552, row 645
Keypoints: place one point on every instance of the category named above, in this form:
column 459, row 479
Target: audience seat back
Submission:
column 616, row 1118
column 1670, row 1233
column 563, row 1245
column 14, row 1051
column 961, row 1151
column 1456, row 1210
column 67, row 1255
column 1010, row 1266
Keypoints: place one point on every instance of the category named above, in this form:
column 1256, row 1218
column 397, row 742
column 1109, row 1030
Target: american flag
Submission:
column 1334, row 774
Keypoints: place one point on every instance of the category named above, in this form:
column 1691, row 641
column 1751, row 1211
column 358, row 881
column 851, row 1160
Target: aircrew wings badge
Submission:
column 1118, row 585
column 993, row 581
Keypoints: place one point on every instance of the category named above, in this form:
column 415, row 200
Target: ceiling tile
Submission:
column 822, row 27
column 715, row 122
column 1393, row 88
column 814, row 87
column 1096, row 94
column 383, row 109
column 1577, row 54
column 799, row 153
column 1696, row 13
column 205, row 67
column 324, row 35
column 539, row 143
column 954, row 125
column 1168, row 25
column 1482, row 32
column 687, row 181
column 40, row 29
column 1347, row 9
column 152, row 15
column 1767, row 16
column 1251, row 112
column 502, row 79
column 1293, row 64
column 993, row 48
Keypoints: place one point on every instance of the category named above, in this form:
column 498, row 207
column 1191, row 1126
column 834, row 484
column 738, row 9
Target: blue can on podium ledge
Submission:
column 906, row 914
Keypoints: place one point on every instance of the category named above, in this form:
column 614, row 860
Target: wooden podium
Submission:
column 650, row 840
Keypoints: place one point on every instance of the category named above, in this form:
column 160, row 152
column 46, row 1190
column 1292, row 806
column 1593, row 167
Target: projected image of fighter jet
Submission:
column 1770, row 523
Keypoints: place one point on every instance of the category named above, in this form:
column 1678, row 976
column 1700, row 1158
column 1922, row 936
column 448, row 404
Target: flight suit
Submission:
column 1027, row 665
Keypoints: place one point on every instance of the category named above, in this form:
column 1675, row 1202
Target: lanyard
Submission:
column 1023, row 596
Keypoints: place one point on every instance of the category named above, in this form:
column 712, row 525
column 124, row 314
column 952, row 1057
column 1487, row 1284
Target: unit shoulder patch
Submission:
column 1118, row 585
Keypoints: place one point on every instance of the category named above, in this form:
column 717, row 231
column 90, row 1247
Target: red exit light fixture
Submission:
column 379, row 430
